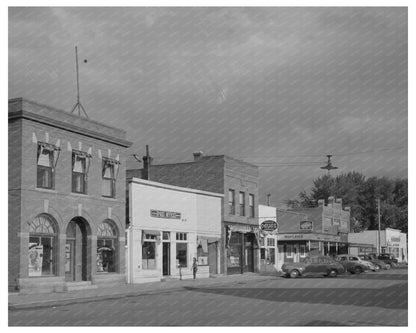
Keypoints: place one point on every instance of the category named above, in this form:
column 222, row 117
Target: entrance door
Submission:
column 248, row 253
column 76, row 254
column 212, row 258
column 166, row 259
column 296, row 257
column 70, row 260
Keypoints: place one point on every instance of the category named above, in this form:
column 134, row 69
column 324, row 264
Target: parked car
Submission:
column 313, row 265
column 388, row 258
column 354, row 264
column 375, row 261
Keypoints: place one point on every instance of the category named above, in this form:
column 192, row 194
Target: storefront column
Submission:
column 309, row 246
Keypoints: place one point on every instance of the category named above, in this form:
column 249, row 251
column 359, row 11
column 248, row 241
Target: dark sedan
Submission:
column 313, row 265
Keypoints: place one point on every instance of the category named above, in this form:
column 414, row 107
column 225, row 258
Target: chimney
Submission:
column 147, row 161
column 321, row 202
column 197, row 155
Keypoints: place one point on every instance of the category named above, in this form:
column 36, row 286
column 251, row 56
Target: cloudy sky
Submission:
column 278, row 87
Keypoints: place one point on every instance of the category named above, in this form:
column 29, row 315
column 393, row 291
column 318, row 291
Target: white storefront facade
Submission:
column 391, row 241
column 169, row 226
column 269, row 255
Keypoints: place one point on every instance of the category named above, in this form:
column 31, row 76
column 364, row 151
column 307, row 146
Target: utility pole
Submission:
column 379, row 227
column 268, row 199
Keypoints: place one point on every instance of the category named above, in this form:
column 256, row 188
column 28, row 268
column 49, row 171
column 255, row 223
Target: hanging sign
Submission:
column 268, row 225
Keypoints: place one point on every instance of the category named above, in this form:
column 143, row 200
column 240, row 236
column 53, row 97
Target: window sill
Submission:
column 109, row 198
column 47, row 190
column 79, row 195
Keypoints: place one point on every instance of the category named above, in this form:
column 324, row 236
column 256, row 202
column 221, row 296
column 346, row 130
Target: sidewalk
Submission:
column 27, row 301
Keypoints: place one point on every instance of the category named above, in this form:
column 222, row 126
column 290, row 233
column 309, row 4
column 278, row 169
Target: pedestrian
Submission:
column 194, row 267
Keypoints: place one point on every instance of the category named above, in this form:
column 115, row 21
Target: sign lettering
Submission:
column 164, row 214
column 268, row 225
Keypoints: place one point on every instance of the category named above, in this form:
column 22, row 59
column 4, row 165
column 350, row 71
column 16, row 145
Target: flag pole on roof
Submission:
column 78, row 104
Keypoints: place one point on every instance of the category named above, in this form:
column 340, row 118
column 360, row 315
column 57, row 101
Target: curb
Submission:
column 96, row 298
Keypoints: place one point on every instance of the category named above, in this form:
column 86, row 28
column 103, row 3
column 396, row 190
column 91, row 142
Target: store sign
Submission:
column 268, row 225
column 164, row 214
column 315, row 237
column 305, row 225
column 395, row 239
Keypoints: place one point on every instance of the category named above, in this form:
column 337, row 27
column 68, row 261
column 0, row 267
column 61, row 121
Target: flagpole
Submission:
column 78, row 105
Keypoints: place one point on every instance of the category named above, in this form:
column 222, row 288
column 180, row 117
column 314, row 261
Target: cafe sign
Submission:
column 268, row 225
column 306, row 225
column 164, row 214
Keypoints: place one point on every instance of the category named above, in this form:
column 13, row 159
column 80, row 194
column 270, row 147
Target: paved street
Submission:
column 370, row 299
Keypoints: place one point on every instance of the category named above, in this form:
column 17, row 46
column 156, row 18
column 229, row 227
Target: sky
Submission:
column 278, row 87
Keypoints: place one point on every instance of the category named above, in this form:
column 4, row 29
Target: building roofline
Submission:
column 21, row 113
column 173, row 187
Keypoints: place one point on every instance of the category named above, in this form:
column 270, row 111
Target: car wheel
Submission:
column 294, row 274
column 388, row 266
column 358, row 270
column 333, row 273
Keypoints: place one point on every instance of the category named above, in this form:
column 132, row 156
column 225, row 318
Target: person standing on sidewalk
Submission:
column 194, row 267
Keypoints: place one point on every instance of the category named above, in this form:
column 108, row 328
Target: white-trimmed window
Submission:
column 242, row 201
column 289, row 250
column 149, row 252
column 42, row 246
column 271, row 242
column 302, row 250
column 109, row 175
column 47, row 157
column 181, row 249
column 80, row 166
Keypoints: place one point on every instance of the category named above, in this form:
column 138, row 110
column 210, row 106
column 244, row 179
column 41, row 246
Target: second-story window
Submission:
column 242, row 199
column 80, row 166
column 231, row 201
column 251, row 204
column 109, row 173
column 47, row 157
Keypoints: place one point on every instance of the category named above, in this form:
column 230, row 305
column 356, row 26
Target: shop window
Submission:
column 234, row 250
column 149, row 251
column 106, row 248
column 47, row 157
column 251, row 204
column 80, row 166
column 289, row 250
column 302, row 250
column 202, row 254
column 42, row 242
column 109, row 175
column 166, row 236
column 242, row 199
column 231, row 201
column 182, row 254
column 263, row 253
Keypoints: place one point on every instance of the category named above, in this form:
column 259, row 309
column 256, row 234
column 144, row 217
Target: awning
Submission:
column 151, row 232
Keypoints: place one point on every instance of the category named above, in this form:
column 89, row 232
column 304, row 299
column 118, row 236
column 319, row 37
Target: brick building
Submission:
column 66, row 200
column 323, row 230
column 239, row 182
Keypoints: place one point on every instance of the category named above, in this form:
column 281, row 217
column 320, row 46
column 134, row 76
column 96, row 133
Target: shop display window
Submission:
column 289, row 250
column 234, row 250
column 42, row 251
column 202, row 253
column 106, row 250
column 271, row 257
column 182, row 254
column 149, row 254
column 302, row 250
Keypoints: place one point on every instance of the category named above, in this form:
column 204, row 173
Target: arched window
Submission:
column 42, row 242
column 106, row 247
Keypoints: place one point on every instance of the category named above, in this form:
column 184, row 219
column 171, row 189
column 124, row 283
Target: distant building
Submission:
column 169, row 226
column 392, row 241
column 238, row 181
column 66, row 200
column 322, row 230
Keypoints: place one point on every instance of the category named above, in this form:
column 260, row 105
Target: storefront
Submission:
column 169, row 226
column 242, row 246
